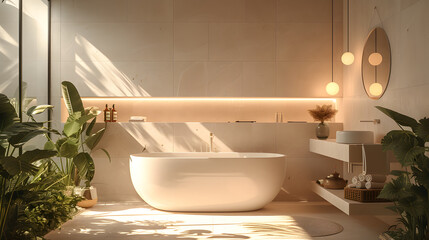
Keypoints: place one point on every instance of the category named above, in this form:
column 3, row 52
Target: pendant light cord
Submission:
column 348, row 25
column 332, row 40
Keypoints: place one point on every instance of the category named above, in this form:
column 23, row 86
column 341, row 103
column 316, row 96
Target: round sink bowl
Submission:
column 355, row 137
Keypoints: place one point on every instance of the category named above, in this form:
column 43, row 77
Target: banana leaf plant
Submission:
column 17, row 165
column 77, row 139
column 409, row 189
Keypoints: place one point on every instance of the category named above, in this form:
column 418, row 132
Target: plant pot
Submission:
column 322, row 131
column 90, row 195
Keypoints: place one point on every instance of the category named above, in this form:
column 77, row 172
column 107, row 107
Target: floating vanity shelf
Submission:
column 351, row 153
column 350, row 207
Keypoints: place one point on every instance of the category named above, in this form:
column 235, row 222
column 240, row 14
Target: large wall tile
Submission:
column 225, row 79
column 191, row 41
column 209, row 10
column 237, row 41
column 150, row 10
column 260, row 10
column 84, row 11
column 308, row 11
column 259, row 79
column 151, row 42
column 190, row 79
column 304, row 41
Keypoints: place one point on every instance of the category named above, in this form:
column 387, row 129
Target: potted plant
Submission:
column 409, row 189
column 75, row 144
column 322, row 114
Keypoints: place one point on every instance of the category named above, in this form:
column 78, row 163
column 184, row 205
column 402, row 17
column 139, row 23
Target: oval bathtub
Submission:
column 207, row 182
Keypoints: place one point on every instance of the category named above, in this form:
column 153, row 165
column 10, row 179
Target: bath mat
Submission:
column 297, row 226
column 318, row 227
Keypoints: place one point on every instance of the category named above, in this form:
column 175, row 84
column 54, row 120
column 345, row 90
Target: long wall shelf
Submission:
column 350, row 207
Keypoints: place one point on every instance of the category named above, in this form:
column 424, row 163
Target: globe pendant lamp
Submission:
column 348, row 58
column 332, row 88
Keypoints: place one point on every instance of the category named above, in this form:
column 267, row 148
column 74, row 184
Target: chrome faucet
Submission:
column 211, row 141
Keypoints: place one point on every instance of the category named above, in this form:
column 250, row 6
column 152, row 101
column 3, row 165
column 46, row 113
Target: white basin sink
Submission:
column 355, row 137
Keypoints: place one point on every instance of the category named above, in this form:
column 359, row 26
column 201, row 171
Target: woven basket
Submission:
column 363, row 195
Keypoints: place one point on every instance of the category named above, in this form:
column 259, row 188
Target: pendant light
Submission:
column 348, row 58
column 332, row 88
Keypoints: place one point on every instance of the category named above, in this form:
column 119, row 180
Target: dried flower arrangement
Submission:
column 323, row 113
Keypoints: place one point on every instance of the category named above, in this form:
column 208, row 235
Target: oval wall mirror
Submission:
column 376, row 60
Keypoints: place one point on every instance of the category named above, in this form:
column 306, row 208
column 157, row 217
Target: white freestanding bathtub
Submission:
column 206, row 181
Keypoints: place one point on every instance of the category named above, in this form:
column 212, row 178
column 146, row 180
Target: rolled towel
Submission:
column 361, row 177
column 360, row 184
column 374, row 185
column 352, row 185
column 379, row 178
column 355, row 180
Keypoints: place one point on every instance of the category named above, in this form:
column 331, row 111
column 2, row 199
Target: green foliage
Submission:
column 36, row 213
column 410, row 189
column 77, row 137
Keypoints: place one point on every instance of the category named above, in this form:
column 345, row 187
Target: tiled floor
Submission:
column 278, row 220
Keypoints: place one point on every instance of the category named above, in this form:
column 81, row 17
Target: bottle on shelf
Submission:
column 114, row 114
column 107, row 116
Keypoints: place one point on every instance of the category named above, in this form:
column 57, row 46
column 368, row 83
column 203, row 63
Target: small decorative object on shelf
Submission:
column 114, row 114
column 333, row 181
column 107, row 117
column 322, row 113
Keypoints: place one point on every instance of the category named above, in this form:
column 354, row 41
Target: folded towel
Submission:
column 360, row 184
column 352, row 185
column 374, row 185
column 355, row 180
column 379, row 178
column 361, row 177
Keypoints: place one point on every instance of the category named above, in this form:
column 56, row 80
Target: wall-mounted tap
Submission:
column 211, row 141
column 375, row 121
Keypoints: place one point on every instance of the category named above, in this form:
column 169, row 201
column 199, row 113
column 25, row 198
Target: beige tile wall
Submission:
column 164, row 48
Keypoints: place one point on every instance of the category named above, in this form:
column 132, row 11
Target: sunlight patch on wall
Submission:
column 109, row 79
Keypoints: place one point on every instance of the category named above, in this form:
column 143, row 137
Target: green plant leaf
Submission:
column 400, row 119
column 7, row 113
column 20, row 133
column 71, row 97
column 14, row 166
column 34, row 110
column 36, row 154
column 91, row 125
column 95, row 138
column 85, row 166
column 69, row 148
column 107, row 154
column 423, row 129
column 75, row 122
column 396, row 189
column 49, row 145
column 403, row 144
